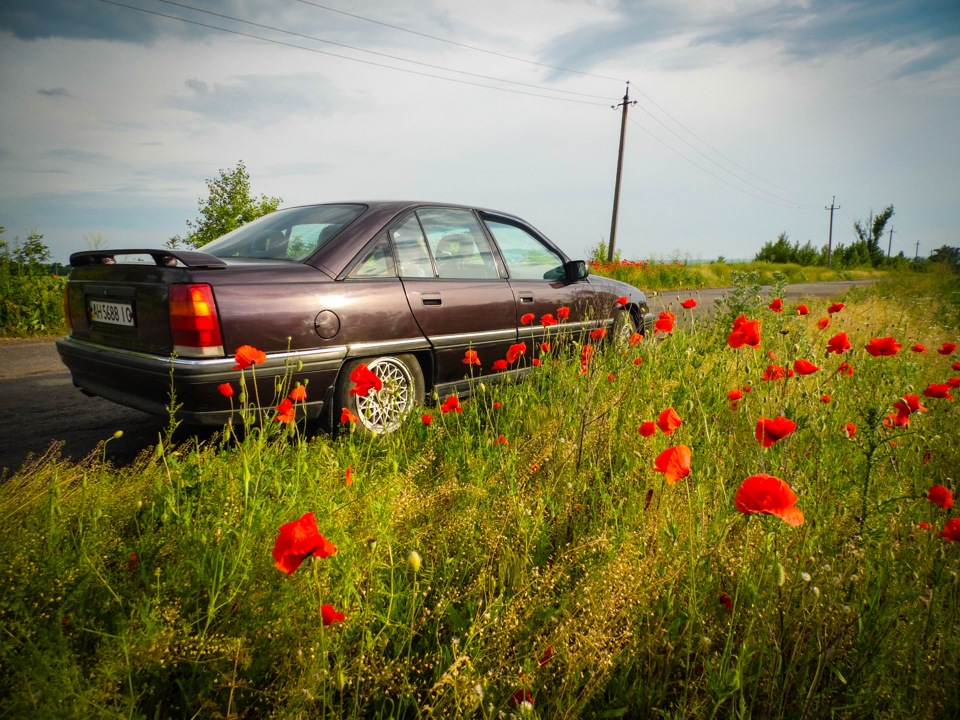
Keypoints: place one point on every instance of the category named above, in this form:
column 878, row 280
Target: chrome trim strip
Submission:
column 442, row 342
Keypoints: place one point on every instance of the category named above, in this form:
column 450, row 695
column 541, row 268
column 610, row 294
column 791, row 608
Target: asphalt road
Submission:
column 41, row 411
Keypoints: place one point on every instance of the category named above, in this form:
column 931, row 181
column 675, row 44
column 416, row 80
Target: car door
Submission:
column 540, row 287
column 455, row 289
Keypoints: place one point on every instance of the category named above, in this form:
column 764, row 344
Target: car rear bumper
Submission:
column 155, row 384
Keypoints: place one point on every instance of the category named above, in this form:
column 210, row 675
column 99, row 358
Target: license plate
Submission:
column 112, row 313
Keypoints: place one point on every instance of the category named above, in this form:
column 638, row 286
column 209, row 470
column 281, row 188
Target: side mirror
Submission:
column 576, row 270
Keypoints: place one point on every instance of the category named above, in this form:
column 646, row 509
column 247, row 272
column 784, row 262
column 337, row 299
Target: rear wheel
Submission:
column 381, row 411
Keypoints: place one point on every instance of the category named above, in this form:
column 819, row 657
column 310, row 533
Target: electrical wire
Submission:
column 344, row 57
column 779, row 201
column 374, row 52
column 459, row 44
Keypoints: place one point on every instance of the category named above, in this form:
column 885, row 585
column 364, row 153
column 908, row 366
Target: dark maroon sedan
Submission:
column 405, row 288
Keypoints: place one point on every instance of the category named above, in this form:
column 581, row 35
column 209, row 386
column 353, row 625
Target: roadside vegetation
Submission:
column 746, row 516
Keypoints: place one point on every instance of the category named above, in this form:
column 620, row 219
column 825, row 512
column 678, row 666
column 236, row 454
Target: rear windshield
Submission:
column 291, row 234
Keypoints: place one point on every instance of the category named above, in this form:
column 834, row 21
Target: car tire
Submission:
column 624, row 326
column 380, row 411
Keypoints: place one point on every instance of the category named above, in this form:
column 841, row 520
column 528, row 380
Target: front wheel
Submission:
column 381, row 411
column 623, row 329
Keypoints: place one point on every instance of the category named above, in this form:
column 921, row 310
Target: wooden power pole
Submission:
column 616, row 189
column 833, row 206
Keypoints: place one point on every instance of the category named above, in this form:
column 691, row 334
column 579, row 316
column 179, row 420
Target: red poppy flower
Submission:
column 427, row 418
column 226, row 389
column 664, row 322
column 919, row 348
column 883, row 347
column 734, row 395
column 585, row 354
column 611, row 377
column 822, row 323
column 563, row 313
column 668, row 421
column 451, row 404
column 674, row 463
column 622, row 301
column 939, row 495
column 770, row 431
column 527, row 318
column 637, row 361
column 726, row 602
column 947, row 348
column 923, row 526
column 248, row 355
column 770, row 496
column 347, row 417
column 835, row 308
column 329, row 615
column 647, row 429
column 953, row 382
column 956, row 365
column 598, row 334
column 909, row 404
column 851, row 429
column 548, row 320
column 951, row 531
column 688, row 304
column 501, row 440
column 132, row 561
column 298, row 394
column 825, row 398
column 894, row 420
column 515, row 351
column 348, row 479
column 364, row 379
column 745, row 332
column 297, row 541
column 497, row 404
column 545, row 657
column 499, row 365
column 938, row 390
column 777, row 305
column 803, row 310
column 637, row 337
column 774, row 372
column 544, row 347
column 285, row 411
column 470, row 357
column 845, row 368
column 804, row 367
column 838, row 344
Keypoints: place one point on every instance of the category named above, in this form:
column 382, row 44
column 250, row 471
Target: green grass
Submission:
column 658, row 275
column 557, row 564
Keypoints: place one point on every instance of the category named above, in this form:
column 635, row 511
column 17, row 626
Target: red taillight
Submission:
column 66, row 308
column 194, row 324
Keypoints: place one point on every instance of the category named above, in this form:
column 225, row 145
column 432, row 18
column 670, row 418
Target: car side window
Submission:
column 377, row 264
column 460, row 248
column 411, row 246
column 527, row 258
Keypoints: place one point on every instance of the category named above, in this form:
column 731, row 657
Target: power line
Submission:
column 713, row 175
column 709, row 159
column 458, row 44
column 374, row 52
column 701, row 140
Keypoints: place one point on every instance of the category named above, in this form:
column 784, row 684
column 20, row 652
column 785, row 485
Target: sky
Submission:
column 751, row 116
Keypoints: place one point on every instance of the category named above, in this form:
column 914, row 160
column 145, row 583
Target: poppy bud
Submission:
column 414, row 561
column 118, row 434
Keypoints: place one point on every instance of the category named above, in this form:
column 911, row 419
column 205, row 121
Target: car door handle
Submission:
column 526, row 297
column 433, row 298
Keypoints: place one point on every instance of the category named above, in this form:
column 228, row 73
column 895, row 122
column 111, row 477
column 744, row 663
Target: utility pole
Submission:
column 830, row 236
column 916, row 255
column 616, row 189
column 889, row 243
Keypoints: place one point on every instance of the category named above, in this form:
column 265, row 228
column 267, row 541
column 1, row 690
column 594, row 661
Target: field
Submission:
column 613, row 537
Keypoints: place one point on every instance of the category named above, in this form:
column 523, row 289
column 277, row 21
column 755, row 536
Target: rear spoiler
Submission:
column 164, row 258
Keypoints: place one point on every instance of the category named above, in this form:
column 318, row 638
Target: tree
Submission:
column 869, row 235
column 228, row 206
column 947, row 255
